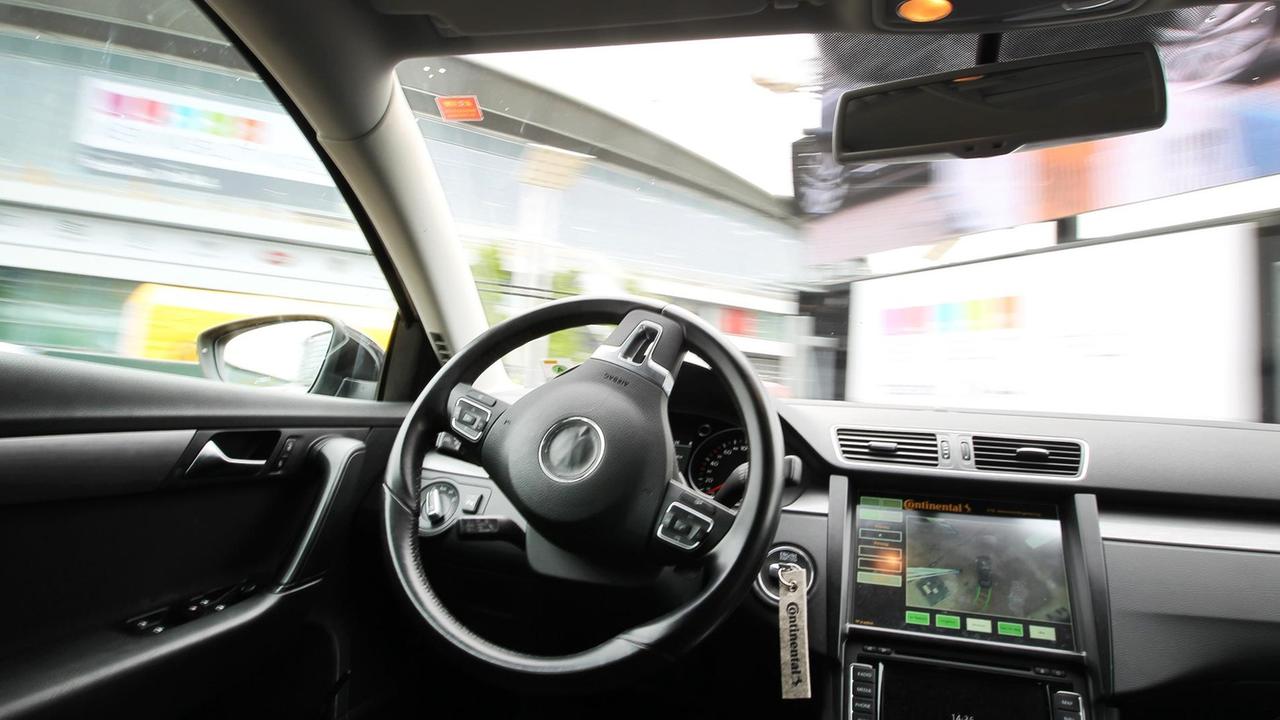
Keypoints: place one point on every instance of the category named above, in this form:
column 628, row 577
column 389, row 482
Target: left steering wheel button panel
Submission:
column 470, row 418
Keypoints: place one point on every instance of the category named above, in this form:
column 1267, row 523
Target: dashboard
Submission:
column 1008, row 566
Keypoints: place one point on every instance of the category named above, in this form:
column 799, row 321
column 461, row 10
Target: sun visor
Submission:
column 485, row 17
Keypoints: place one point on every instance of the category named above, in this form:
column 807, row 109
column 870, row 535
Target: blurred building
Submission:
column 99, row 179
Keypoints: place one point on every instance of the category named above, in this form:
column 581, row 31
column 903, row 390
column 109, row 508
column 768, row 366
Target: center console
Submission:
column 965, row 608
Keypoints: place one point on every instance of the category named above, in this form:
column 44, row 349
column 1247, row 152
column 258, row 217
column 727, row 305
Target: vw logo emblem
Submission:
column 571, row 450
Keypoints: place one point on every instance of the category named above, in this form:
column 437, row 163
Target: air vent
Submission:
column 888, row 446
column 1026, row 455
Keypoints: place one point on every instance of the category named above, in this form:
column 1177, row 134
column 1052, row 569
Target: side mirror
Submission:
column 303, row 353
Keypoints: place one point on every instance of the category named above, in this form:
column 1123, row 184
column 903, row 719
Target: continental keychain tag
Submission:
column 793, row 631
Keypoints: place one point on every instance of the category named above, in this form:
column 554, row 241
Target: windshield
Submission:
column 1129, row 276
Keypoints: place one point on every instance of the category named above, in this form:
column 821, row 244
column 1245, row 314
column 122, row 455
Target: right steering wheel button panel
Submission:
column 683, row 527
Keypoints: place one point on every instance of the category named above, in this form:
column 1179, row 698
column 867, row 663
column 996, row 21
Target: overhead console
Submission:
column 954, row 16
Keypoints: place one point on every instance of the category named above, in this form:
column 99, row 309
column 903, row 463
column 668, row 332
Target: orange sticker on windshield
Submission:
column 459, row 108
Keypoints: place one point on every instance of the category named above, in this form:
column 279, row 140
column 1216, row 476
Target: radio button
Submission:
column 863, row 673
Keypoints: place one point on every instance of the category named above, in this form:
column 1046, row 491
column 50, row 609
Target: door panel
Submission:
column 81, row 465
column 102, row 521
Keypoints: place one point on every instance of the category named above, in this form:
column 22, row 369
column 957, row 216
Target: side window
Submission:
column 151, row 188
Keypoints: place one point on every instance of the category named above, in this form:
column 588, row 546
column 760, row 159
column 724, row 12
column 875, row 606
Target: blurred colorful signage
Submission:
column 968, row 316
column 175, row 136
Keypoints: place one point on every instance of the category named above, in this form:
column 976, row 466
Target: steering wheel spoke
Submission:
column 648, row 345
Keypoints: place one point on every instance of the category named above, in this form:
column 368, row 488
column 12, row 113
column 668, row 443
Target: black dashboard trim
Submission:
column 838, row 533
column 959, row 468
column 1137, row 457
column 1086, row 562
column 1003, row 648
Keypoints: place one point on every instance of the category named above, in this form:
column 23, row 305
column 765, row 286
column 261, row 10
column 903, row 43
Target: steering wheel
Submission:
column 588, row 460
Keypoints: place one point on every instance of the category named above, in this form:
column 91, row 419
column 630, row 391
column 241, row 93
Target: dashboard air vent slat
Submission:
column 1027, row 455
column 887, row 446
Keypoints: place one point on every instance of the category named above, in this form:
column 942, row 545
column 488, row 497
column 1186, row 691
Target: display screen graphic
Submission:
column 963, row 568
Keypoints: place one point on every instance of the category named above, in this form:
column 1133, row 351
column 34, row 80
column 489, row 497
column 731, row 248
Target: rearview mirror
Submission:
column 304, row 353
column 998, row 108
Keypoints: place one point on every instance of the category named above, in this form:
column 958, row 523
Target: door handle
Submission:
column 211, row 460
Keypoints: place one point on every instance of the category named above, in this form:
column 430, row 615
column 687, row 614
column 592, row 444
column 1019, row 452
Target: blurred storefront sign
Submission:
column 146, row 133
column 1019, row 334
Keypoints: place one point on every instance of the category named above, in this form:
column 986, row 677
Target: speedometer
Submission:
column 716, row 459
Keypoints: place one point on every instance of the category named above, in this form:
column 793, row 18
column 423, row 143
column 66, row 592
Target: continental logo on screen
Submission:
column 931, row 506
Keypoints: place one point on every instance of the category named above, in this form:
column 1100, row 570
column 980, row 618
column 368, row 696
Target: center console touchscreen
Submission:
column 961, row 567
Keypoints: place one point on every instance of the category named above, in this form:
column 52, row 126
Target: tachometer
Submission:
column 716, row 459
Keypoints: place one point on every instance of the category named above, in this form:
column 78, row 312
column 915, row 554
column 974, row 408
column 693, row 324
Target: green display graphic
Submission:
column 978, row 625
column 874, row 578
column 1010, row 567
column 1039, row 632
column 1011, row 629
column 917, row 618
column 867, row 513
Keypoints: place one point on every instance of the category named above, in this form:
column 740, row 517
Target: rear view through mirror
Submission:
column 998, row 108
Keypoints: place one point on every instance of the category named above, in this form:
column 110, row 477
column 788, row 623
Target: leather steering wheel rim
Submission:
column 730, row 567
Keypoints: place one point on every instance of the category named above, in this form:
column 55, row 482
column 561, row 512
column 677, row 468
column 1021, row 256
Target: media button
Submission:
column 950, row 622
column 1009, row 628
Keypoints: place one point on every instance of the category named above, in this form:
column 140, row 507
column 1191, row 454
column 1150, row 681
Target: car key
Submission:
column 793, row 631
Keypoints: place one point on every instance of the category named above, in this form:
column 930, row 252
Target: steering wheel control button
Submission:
column 571, row 450
column 683, row 526
column 767, row 579
column 448, row 443
column 470, row 418
column 481, row 398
